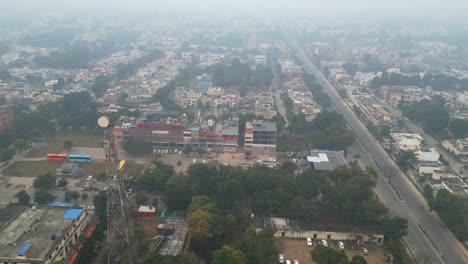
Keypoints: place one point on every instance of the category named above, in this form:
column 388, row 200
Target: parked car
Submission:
column 288, row 261
column 341, row 244
column 309, row 241
column 364, row 250
column 281, row 258
column 324, row 243
column 296, row 261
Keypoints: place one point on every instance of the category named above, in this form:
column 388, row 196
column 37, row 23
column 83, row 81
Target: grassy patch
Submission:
column 55, row 143
column 31, row 168
column 291, row 143
column 36, row 168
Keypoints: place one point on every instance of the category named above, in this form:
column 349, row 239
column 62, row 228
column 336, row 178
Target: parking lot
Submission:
column 298, row 249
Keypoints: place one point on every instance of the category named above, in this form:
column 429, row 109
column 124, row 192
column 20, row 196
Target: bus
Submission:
column 57, row 157
column 79, row 158
column 122, row 165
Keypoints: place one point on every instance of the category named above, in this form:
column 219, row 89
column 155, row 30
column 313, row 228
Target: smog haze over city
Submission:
column 246, row 132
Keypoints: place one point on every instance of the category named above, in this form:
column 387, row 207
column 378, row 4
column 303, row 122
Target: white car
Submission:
column 309, row 241
column 324, row 243
column 296, row 261
column 341, row 244
column 288, row 261
column 281, row 258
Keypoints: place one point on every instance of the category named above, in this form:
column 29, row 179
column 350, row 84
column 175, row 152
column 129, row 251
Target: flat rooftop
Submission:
column 326, row 160
column 260, row 125
column 36, row 227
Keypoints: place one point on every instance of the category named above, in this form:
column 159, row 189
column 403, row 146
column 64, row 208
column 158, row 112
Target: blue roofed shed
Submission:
column 24, row 249
column 72, row 214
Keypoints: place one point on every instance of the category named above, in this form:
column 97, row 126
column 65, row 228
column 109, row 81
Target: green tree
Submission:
column 84, row 197
column 75, row 196
column 259, row 248
column 20, row 145
column 452, row 209
column 177, row 192
column 141, row 198
column 394, row 228
column 62, row 182
column 350, row 68
column 67, row 144
column 155, row 177
column 327, row 255
column 183, row 258
column 247, row 155
column 428, row 192
column 122, row 98
column 101, row 83
column 204, row 218
column 432, row 114
column 23, row 197
column 228, row 255
column 358, row 260
column 44, row 182
column 136, row 146
column 405, row 158
column 397, row 252
column 188, row 149
column 6, row 154
column 43, row 197
column 68, row 196
column 459, row 128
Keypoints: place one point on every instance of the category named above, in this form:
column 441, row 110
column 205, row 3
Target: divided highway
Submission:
column 427, row 238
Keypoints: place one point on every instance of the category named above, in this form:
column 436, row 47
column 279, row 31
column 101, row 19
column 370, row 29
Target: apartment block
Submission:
column 260, row 136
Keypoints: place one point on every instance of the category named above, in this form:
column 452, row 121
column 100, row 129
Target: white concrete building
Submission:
column 428, row 154
column 406, row 141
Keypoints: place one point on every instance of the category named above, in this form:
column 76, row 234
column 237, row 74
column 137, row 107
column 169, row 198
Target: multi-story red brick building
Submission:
column 7, row 118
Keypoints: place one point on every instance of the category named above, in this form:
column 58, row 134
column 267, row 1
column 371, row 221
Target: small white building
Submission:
column 428, row 154
column 428, row 168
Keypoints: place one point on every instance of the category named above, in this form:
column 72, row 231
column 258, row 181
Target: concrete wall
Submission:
column 330, row 235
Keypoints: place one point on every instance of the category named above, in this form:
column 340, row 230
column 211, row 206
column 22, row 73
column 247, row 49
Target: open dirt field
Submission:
column 233, row 159
column 55, row 143
column 298, row 249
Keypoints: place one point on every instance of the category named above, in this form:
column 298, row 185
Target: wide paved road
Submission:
column 427, row 238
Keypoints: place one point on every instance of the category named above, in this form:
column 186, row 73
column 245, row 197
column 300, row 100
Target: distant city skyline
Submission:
column 431, row 9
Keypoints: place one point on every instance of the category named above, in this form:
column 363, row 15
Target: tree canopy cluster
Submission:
column 124, row 71
column 316, row 89
column 327, row 131
column 458, row 128
column 453, row 209
column 216, row 198
column 240, row 75
column 432, row 114
column 439, row 82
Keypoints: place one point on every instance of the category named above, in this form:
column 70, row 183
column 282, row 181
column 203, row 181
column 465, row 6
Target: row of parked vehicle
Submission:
column 167, row 151
column 287, row 261
column 322, row 242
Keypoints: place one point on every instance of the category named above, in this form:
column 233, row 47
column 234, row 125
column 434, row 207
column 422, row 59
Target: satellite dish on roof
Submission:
column 103, row 121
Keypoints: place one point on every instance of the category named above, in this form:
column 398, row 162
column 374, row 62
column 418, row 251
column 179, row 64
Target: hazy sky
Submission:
column 333, row 8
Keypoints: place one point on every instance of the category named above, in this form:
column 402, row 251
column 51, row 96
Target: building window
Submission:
column 328, row 236
column 380, row 240
column 315, row 236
